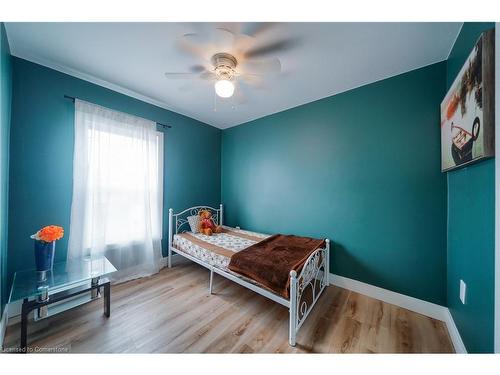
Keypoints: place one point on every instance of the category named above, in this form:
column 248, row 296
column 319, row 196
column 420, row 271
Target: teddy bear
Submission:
column 207, row 225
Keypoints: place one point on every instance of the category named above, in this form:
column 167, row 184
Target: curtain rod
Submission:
column 157, row 123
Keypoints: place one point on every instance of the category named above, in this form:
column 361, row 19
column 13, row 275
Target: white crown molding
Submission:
column 103, row 83
column 429, row 309
column 350, row 88
column 125, row 91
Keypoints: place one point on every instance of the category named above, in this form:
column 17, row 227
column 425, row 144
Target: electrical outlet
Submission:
column 463, row 291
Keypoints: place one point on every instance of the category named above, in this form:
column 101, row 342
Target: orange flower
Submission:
column 51, row 233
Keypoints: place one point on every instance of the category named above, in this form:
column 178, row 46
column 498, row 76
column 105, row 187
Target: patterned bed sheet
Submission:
column 217, row 249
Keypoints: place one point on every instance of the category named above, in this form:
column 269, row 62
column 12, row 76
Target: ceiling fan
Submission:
column 229, row 59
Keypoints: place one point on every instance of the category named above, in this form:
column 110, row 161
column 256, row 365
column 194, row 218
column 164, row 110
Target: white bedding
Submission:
column 217, row 249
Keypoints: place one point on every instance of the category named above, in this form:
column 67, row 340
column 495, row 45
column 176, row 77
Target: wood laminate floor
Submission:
column 172, row 312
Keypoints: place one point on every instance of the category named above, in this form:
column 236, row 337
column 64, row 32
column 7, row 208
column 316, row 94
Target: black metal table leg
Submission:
column 95, row 284
column 107, row 299
column 38, row 304
column 24, row 325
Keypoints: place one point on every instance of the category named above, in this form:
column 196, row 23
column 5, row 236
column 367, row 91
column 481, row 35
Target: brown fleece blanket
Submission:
column 270, row 261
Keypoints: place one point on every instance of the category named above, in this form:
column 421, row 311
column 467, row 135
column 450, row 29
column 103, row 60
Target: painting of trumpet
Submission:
column 467, row 111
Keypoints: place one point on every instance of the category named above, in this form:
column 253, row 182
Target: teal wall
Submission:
column 5, row 106
column 362, row 168
column 471, row 228
column 41, row 155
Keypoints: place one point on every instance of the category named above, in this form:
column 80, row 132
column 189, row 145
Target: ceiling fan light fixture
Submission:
column 224, row 88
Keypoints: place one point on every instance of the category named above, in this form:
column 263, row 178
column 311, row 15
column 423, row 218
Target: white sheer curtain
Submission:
column 117, row 190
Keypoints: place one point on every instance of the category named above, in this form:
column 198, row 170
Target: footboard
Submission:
column 306, row 288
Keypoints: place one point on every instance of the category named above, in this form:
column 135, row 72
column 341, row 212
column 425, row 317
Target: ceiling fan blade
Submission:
column 196, row 38
column 172, row 75
column 261, row 66
column 194, row 44
column 243, row 42
column 203, row 44
column 209, row 76
column 191, row 49
column 273, row 47
column 254, row 80
column 197, row 68
column 224, row 39
column 205, row 75
column 256, row 28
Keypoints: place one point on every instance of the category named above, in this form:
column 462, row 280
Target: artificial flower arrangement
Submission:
column 49, row 234
column 45, row 246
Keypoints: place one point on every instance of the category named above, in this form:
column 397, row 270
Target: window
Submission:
column 117, row 190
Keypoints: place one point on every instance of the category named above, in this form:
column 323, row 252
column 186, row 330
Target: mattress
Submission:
column 217, row 249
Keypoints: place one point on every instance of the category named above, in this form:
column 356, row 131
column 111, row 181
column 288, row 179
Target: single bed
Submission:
column 215, row 252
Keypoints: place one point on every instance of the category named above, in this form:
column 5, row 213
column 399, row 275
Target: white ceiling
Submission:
column 329, row 58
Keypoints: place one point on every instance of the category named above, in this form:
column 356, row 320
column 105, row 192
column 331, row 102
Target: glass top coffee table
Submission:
column 67, row 285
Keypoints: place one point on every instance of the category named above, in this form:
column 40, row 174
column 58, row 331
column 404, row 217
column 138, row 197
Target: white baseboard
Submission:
column 3, row 325
column 410, row 303
column 13, row 312
column 454, row 334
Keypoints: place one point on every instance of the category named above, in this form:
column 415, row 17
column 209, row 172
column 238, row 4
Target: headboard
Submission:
column 178, row 223
column 180, row 219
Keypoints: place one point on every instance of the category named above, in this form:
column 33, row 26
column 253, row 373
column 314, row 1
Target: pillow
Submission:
column 194, row 223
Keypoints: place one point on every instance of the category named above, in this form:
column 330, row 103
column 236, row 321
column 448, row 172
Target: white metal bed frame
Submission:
column 313, row 277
